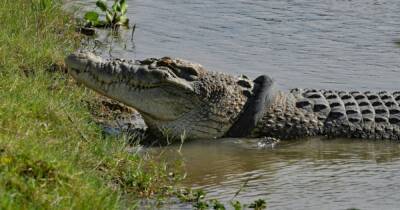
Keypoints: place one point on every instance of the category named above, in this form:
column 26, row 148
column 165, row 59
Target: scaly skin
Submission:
column 176, row 97
column 173, row 96
column 352, row 114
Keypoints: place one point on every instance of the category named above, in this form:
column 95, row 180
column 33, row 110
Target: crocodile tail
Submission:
column 365, row 115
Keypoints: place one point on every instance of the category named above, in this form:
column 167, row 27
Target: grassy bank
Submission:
column 51, row 153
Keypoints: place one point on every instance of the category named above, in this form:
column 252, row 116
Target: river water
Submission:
column 337, row 44
column 309, row 174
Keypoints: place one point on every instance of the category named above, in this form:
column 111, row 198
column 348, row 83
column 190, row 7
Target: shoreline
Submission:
column 52, row 153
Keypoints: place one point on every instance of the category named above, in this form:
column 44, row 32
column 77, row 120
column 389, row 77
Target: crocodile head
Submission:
column 174, row 96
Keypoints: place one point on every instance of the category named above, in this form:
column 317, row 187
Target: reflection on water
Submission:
column 339, row 44
column 310, row 174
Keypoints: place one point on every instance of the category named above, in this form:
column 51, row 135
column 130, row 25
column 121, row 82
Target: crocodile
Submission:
column 176, row 97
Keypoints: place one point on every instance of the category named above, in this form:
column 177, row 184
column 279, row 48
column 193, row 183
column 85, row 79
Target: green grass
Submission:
column 52, row 156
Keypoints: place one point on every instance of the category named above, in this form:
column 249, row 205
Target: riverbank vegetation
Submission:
column 52, row 155
column 115, row 15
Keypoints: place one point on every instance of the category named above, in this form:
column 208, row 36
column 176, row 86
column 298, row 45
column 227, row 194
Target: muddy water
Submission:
column 336, row 44
column 310, row 174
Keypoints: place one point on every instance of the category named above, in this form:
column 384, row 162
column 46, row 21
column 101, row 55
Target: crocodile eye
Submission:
column 191, row 71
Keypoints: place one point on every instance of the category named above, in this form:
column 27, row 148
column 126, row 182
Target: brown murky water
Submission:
column 307, row 174
column 338, row 44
